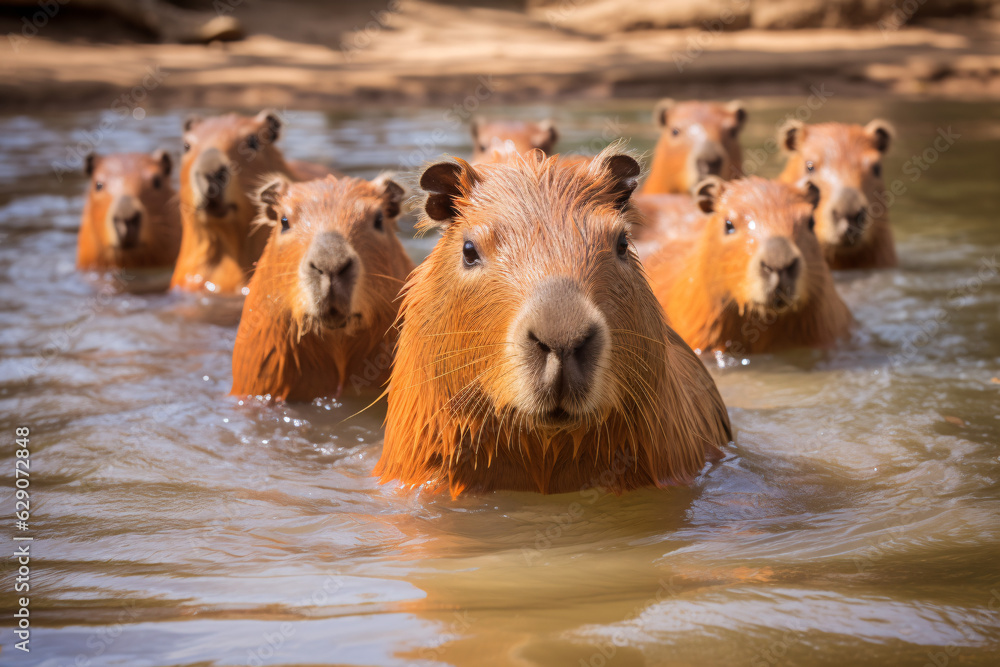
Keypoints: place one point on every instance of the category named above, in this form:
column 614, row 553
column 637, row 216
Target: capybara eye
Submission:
column 284, row 223
column 812, row 223
column 730, row 227
column 470, row 256
column 622, row 247
column 877, row 170
column 674, row 131
column 379, row 221
column 252, row 142
column 157, row 182
column 187, row 147
column 810, row 166
column 98, row 186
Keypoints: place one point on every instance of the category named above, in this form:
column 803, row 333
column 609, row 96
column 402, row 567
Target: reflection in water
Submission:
column 855, row 521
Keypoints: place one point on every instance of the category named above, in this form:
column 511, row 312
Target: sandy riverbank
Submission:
column 419, row 52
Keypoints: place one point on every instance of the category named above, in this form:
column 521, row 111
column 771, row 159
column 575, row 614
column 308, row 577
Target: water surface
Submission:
column 855, row 521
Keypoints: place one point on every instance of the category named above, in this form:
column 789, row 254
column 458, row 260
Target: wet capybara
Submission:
column 225, row 159
column 697, row 139
column 323, row 298
column 754, row 279
column 130, row 219
column 533, row 355
column 492, row 140
column 845, row 163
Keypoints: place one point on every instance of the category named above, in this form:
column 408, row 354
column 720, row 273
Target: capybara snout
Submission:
column 330, row 272
column 779, row 264
column 210, row 177
column 560, row 343
column 127, row 221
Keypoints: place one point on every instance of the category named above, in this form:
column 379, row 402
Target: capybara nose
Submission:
column 856, row 221
column 780, row 266
column 333, row 272
column 562, row 339
column 211, row 176
column 127, row 220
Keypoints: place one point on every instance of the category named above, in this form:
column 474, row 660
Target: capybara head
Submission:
column 325, row 287
column 493, row 140
column 531, row 344
column 697, row 139
column 130, row 219
column 757, row 262
column 332, row 245
column 224, row 159
column 762, row 233
column 845, row 163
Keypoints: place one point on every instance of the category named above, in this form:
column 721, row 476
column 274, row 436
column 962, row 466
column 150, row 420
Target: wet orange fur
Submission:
column 670, row 171
column 493, row 140
column 218, row 255
column 703, row 286
column 844, row 154
column 451, row 423
column 133, row 175
column 279, row 351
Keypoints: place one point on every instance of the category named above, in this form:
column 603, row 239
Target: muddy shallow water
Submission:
column 855, row 521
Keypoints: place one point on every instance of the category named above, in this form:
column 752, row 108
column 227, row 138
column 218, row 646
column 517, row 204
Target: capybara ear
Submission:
column 269, row 196
column 548, row 135
column 191, row 121
column 392, row 194
column 662, row 112
column 791, row 134
column 739, row 112
column 165, row 161
column 707, row 193
column 881, row 133
column 811, row 192
column 89, row 164
column 623, row 171
column 443, row 183
column 271, row 122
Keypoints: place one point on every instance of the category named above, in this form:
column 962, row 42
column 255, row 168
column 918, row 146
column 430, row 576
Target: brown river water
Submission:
column 855, row 521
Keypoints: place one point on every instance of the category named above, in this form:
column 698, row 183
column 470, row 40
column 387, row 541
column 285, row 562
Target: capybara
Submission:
column 130, row 219
column 697, row 139
column 754, row 279
column 845, row 163
column 533, row 355
column 492, row 140
column 225, row 159
column 323, row 298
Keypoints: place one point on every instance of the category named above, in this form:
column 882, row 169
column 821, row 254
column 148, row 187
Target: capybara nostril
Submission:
column 561, row 339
